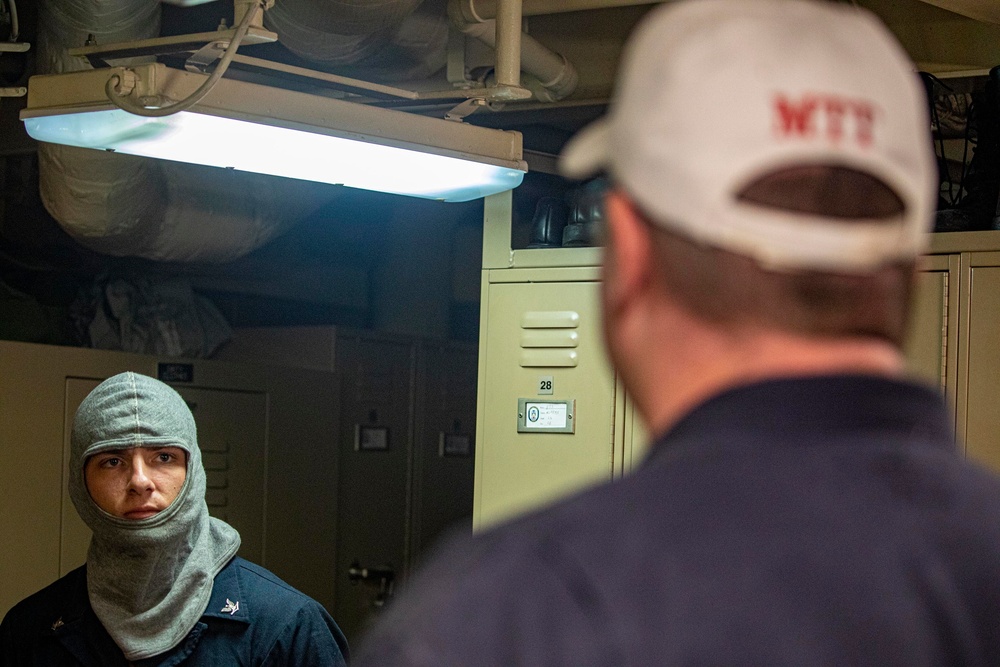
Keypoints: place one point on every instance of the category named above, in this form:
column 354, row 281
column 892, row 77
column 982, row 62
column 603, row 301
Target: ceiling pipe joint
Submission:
column 506, row 38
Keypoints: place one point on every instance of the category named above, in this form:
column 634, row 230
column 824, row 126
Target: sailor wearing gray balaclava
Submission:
column 149, row 579
column 161, row 579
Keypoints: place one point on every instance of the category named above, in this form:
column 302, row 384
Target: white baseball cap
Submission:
column 712, row 95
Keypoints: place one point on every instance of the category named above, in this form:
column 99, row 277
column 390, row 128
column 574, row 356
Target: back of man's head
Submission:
column 780, row 150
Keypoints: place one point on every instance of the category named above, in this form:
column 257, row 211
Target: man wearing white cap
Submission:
column 803, row 504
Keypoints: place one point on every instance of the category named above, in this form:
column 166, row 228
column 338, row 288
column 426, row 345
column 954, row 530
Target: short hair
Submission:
column 734, row 291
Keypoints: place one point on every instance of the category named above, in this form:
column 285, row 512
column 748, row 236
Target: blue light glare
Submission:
column 266, row 149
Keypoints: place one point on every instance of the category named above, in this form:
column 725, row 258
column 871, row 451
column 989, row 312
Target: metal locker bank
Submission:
column 541, row 357
column 405, row 443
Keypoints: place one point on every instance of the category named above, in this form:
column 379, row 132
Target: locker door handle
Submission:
column 383, row 577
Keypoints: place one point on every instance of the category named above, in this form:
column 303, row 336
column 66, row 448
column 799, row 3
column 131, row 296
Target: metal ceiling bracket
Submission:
column 100, row 54
column 508, row 93
column 200, row 60
column 241, row 7
column 461, row 111
column 455, row 70
column 347, row 85
column 14, row 47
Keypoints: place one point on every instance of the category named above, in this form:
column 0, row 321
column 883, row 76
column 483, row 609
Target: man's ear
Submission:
column 628, row 252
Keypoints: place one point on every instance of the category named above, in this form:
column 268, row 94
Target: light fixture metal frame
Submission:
column 84, row 91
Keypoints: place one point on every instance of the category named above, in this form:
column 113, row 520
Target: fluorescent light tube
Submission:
column 282, row 133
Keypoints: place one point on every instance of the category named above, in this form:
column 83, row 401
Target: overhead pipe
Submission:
column 515, row 51
column 508, row 53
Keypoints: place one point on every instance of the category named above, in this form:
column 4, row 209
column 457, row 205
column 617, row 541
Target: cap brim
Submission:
column 587, row 152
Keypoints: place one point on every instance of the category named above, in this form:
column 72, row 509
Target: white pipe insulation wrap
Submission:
column 348, row 17
column 410, row 43
column 101, row 200
column 337, row 34
column 67, row 23
column 128, row 206
column 423, row 39
column 199, row 226
column 307, row 41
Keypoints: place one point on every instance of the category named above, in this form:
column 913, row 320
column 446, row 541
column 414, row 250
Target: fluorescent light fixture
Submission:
column 266, row 130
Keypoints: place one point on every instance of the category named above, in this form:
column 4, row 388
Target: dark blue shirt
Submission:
column 252, row 618
column 811, row 521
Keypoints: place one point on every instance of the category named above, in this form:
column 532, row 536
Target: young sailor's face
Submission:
column 136, row 483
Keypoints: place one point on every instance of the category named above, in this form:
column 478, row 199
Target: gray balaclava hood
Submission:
column 149, row 580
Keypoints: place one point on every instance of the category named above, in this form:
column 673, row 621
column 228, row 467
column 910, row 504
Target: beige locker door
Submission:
column 232, row 437
column 232, row 434
column 982, row 408
column 444, row 456
column 539, row 333
column 30, row 474
column 927, row 338
column 375, row 458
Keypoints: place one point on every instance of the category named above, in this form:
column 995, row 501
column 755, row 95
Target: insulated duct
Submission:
column 128, row 206
column 348, row 17
column 380, row 37
column 398, row 40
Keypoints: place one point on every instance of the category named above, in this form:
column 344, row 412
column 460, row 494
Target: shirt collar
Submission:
column 811, row 410
column 227, row 601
